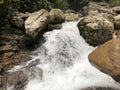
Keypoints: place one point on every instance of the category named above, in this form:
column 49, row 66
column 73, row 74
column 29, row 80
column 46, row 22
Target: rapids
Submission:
column 63, row 59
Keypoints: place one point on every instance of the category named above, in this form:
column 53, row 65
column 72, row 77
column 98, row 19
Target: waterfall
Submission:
column 62, row 63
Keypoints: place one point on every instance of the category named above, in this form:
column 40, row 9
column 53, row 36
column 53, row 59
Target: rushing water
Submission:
column 63, row 60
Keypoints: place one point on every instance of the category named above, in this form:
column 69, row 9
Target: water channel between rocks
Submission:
column 61, row 63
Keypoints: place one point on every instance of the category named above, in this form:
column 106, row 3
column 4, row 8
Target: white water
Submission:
column 63, row 59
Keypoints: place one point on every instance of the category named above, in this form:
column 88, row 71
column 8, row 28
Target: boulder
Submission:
column 56, row 16
column 71, row 17
column 36, row 23
column 17, row 19
column 94, row 8
column 54, row 26
column 117, row 22
column 103, row 4
column 69, row 11
column 19, row 78
column 116, row 9
column 96, row 29
column 107, row 58
column 97, row 24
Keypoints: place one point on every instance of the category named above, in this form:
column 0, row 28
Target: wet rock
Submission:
column 33, row 72
column 36, row 22
column 116, row 9
column 54, row 26
column 107, row 58
column 117, row 22
column 18, row 79
column 9, row 59
column 33, row 63
column 56, row 16
column 71, row 17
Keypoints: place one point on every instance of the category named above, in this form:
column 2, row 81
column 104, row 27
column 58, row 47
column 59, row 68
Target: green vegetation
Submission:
column 9, row 6
column 113, row 3
column 62, row 4
column 29, row 5
column 34, row 5
column 78, row 4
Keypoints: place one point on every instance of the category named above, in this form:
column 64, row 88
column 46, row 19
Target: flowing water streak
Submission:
column 63, row 58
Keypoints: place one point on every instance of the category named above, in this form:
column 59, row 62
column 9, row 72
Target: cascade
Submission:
column 62, row 63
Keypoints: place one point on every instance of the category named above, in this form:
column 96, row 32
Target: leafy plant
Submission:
column 113, row 3
column 34, row 5
column 62, row 4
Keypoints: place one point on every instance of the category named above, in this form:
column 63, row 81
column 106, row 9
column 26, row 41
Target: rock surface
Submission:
column 54, row 26
column 95, row 29
column 71, row 17
column 56, row 16
column 117, row 22
column 12, row 50
column 19, row 78
column 107, row 58
column 94, row 8
column 116, row 9
column 98, row 23
column 17, row 19
column 36, row 22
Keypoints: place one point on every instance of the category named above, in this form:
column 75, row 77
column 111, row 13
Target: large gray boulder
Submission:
column 36, row 22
